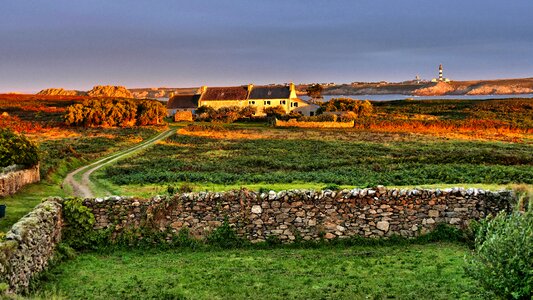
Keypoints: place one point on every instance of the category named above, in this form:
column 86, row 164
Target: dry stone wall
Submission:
column 29, row 245
column 13, row 181
column 305, row 214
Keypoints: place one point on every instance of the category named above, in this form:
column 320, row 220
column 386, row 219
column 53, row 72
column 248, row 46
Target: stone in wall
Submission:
column 29, row 245
column 303, row 214
column 13, row 181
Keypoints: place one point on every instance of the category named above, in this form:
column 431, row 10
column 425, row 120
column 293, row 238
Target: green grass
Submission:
column 232, row 162
column 432, row 271
column 149, row 190
column 61, row 156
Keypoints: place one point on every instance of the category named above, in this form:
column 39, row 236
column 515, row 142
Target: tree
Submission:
column 17, row 150
column 359, row 107
column 314, row 91
column 151, row 113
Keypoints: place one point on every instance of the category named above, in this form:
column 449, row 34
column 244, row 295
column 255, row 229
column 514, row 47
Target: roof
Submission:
column 226, row 93
column 270, row 92
column 183, row 101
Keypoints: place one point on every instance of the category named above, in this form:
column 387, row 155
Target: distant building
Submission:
column 441, row 77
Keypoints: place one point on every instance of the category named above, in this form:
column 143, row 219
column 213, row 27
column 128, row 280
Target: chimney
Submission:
column 202, row 90
column 250, row 88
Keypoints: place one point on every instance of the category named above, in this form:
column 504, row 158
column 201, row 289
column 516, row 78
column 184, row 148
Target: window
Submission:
column 267, row 102
column 294, row 104
column 282, row 102
column 251, row 102
column 312, row 113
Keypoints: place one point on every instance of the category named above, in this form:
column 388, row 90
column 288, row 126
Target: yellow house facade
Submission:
column 260, row 97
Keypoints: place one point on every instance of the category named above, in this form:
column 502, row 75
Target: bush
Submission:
column 79, row 219
column 359, row 107
column 17, row 150
column 275, row 111
column 121, row 113
column 319, row 118
column 227, row 114
column 225, row 237
column 503, row 257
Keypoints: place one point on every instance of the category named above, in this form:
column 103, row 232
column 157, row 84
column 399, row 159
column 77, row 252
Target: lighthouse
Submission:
column 441, row 76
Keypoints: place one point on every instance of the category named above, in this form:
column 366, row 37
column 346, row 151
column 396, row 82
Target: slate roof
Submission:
column 270, row 92
column 183, row 101
column 226, row 93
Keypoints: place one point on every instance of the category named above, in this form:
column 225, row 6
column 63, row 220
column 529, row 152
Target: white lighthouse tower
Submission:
column 441, row 77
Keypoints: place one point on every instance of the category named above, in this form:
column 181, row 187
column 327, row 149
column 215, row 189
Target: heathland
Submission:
column 487, row 144
column 62, row 148
column 403, row 143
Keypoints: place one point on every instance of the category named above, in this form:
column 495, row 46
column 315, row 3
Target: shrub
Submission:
column 228, row 114
column 17, row 150
column 224, row 237
column 275, row 111
column 122, row 113
column 359, row 107
column 503, row 257
column 319, row 118
column 79, row 219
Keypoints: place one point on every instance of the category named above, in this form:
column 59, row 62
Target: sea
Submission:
column 391, row 97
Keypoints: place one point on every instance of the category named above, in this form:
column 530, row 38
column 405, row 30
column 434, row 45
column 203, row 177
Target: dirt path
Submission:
column 83, row 189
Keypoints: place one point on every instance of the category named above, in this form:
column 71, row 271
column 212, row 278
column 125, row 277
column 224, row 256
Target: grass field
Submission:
column 264, row 156
column 431, row 271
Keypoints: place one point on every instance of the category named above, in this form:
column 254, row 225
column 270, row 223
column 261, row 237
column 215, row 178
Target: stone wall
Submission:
column 295, row 123
column 13, row 181
column 29, row 245
column 311, row 215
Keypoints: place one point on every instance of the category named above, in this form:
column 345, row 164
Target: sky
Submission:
column 77, row 44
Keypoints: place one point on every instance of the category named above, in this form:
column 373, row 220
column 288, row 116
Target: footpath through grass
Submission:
column 432, row 271
column 61, row 155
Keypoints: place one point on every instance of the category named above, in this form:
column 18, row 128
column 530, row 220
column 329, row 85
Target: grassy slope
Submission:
column 413, row 272
column 59, row 156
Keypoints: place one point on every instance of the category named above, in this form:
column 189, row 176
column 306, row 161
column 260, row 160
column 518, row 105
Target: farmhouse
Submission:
column 260, row 97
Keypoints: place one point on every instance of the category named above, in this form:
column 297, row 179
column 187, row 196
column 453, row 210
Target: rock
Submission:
column 60, row 92
column 256, row 209
column 330, row 236
column 433, row 213
column 109, row 91
column 454, row 221
column 383, row 225
column 381, row 189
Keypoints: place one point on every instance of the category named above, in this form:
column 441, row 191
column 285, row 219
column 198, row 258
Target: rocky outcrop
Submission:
column 437, row 89
column 492, row 89
column 29, row 245
column 60, row 92
column 109, row 91
column 305, row 214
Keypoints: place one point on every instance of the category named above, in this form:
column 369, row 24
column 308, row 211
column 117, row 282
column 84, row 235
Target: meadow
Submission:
column 269, row 156
column 431, row 271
